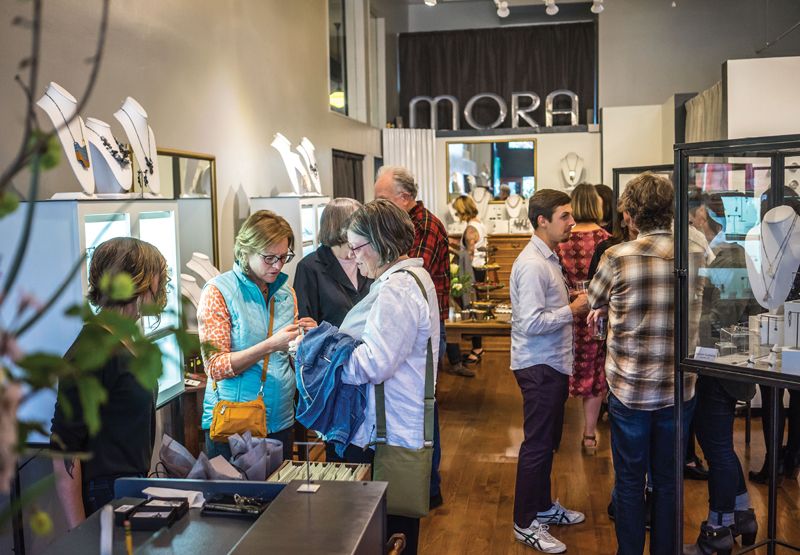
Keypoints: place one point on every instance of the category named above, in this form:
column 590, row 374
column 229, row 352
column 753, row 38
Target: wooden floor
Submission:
column 481, row 430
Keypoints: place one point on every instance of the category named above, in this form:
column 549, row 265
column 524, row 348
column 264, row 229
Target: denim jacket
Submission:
column 325, row 404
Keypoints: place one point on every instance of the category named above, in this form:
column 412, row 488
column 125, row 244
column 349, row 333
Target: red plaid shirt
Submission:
column 430, row 244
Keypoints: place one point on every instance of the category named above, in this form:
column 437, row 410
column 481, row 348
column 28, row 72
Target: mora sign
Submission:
column 517, row 112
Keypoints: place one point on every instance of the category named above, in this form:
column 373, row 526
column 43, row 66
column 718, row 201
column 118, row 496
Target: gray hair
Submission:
column 403, row 179
column 388, row 229
column 333, row 222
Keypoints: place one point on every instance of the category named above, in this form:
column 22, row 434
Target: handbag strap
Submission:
column 266, row 358
column 380, row 398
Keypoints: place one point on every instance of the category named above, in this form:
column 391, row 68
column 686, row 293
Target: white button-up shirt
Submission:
column 541, row 324
column 394, row 322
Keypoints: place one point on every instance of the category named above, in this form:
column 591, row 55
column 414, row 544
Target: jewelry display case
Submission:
column 62, row 232
column 737, row 285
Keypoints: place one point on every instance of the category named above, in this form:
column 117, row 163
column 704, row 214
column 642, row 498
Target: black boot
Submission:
column 711, row 540
column 745, row 525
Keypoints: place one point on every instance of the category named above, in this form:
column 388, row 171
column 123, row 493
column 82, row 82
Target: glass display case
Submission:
column 738, row 255
column 62, row 231
column 737, row 262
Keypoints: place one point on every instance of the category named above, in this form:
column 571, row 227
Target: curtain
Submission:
column 540, row 59
column 348, row 175
column 705, row 116
column 415, row 149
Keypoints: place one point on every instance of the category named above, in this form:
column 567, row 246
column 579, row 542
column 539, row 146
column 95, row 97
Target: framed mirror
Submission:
column 503, row 167
column 191, row 179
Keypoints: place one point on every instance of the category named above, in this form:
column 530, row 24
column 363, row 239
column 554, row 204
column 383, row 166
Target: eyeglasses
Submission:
column 354, row 249
column 271, row 259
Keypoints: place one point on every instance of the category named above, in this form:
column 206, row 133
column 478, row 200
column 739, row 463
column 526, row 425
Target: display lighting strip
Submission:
column 551, row 8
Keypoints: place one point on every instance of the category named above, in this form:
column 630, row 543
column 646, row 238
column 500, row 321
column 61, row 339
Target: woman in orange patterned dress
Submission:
column 588, row 379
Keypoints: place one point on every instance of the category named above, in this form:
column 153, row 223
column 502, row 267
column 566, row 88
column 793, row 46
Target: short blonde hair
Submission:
column 465, row 208
column 587, row 206
column 333, row 222
column 262, row 229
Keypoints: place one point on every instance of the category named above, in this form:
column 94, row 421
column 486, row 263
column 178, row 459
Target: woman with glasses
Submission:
column 235, row 310
column 124, row 444
column 394, row 323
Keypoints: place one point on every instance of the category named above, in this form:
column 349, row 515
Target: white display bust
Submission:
column 113, row 171
column 306, row 150
column 293, row 163
column 514, row 205
column 60, row 105
column 142, row 140
column 773, row 256
column 190, row 289
column 572, row 169
column 201, row 265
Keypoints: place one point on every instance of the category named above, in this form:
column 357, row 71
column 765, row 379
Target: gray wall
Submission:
column 396, row 16
column 215, row 77
column 649, row 50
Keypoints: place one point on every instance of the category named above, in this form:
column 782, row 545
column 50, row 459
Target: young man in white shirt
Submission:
column 541, row 358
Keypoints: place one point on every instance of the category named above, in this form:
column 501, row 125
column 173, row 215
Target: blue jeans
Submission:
column 714, row 425
column 635, row 434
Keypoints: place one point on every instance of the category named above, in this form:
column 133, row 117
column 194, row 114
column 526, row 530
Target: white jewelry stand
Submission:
column 773, row 256
column 514, row 206
column 109, row 175
column 59, row 105
column 201, row 265
column 572, row 169
column 481, row 197
column 191, row 291
column 133, row 119
column 306, row 150
column 293, row 163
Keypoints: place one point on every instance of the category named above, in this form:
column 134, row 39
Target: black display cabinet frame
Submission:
column 776, row 149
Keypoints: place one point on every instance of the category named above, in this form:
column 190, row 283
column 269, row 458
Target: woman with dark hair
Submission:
column 394, row 323
column 327, row 282
column 124, row 444
column 606, row 195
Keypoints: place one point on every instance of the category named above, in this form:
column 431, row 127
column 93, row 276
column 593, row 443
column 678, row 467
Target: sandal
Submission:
column 473, row 357
column 589, row 445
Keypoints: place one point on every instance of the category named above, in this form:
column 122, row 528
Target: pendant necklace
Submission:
column 571, row 167
column 81, row 152
column 775, row 263
column 120, row 154
column 148, row 160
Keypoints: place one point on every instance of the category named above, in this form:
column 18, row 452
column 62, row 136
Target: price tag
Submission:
column 707, row 354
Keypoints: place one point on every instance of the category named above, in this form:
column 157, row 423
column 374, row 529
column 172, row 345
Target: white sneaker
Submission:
column 558, row 515
column 537, row 537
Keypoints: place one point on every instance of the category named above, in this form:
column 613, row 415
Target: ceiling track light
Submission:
column 597, row 6
column 430, row 3
column 551, row 8
column 502, row 8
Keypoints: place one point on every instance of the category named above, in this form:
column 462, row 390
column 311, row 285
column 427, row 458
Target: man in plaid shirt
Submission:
column 397, row 185
column 634, row 286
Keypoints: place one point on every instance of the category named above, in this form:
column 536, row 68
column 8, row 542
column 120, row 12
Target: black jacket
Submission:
column 324, row 292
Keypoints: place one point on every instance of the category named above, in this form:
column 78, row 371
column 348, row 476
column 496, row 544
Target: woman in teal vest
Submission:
column 233, row 318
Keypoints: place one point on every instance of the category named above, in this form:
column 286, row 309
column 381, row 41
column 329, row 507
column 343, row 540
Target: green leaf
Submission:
column 92, row 395
column 52, row 154
column 146, row 366
column 42, row 370
column 9, row 202
column 117, row 287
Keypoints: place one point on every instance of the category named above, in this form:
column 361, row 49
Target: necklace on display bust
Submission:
column 572, row 168
column 514, row 206
column 774, row 262
column 479, row 195
column 148, row 158
column 81, row 151
column 120, row 154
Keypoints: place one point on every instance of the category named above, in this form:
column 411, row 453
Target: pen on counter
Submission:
column 128, row 538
